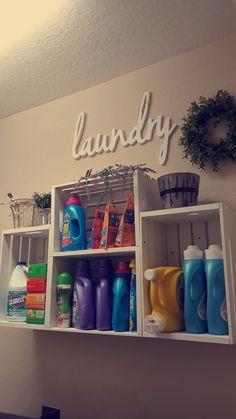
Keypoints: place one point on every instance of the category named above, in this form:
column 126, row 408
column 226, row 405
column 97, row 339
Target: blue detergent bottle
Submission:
column 121, row 298
column 74, row 227
column 216, row 300
column 195, row 291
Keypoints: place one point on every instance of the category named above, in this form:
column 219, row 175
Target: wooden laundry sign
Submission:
column 144, row 131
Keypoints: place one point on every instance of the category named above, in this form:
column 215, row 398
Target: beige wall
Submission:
column 104, row 377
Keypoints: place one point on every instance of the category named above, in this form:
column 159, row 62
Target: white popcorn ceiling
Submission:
column 91, row 41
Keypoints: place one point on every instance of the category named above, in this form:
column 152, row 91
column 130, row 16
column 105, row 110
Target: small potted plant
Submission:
column 43, row 204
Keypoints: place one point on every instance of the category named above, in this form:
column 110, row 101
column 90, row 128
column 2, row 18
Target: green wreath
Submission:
column 199, row 150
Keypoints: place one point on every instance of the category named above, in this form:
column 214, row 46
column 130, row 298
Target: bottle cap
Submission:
column 214, row 251
column 132, row 265
column 73, row 200
column 123, row 268
column 64, row 280
column 154, row 324
column 105, row 266
column 150, row 274
column 82, row 268
column 193, row 252
column 21, row 263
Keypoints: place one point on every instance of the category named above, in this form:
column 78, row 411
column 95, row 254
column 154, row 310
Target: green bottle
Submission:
column 64, row 293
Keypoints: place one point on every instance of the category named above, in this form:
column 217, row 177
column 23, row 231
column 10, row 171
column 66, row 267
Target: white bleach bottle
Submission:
column 16, row 296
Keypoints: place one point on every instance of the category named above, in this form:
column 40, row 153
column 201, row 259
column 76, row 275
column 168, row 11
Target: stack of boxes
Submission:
column 36, row 293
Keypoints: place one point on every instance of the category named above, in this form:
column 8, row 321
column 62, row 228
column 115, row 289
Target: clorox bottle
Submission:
column 216, row 299
column 195, row 291
column 74, row 228
column 166, row 299
column 16, row 296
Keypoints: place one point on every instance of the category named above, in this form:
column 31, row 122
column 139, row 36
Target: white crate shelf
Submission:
column 29, row 244
column 164, row 236
column 161, row 237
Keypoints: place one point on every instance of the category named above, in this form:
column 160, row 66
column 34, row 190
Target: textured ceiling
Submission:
column 91, row 41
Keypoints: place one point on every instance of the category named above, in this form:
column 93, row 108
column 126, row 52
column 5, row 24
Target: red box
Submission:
column 36, row 285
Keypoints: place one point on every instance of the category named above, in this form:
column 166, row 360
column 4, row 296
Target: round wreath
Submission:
column 197, row 147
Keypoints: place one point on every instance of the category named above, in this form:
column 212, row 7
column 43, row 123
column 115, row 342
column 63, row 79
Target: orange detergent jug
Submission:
column 166, row 299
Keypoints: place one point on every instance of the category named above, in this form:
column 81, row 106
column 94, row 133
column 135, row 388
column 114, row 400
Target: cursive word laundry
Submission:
column 143, row 132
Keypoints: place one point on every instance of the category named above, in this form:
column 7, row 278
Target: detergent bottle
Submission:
column 166, row 299
column 83, row 316
column 195, row 291
column 216, row 301
column 74, row 227
column 16, row 296
column 104, row 295
column 132, row 299
column 64, row 292
column 121, row 291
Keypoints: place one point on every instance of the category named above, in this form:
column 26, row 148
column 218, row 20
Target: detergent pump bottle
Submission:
column 166, row 299
column 216, row 300
column 121, row 292
column 83, row 313
column 104, row 295
column 194, row 291
column 74, row 227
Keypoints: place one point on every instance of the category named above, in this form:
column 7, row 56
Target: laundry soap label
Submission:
column 66, row 239
column 35, row 316
column 110, row 227
column 16, row 303
column 126, row 231
column 94, row 241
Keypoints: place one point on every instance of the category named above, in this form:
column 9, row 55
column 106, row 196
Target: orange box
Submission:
column 36, row 300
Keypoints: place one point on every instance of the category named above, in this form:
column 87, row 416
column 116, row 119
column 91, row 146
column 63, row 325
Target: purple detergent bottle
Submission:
column 104, row 295
column 83, row 316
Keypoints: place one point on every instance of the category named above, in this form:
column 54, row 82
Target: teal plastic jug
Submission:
column 194, row 291
column 121, row 298
column 74, row 227
column 216, row 300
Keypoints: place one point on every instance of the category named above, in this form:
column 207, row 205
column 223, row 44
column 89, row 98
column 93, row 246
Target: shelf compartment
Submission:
column 29, row 244
column 166, row 233
column 97, row 193
column 58, row 264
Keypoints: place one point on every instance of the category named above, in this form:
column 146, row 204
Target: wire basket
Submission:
column 23, row 213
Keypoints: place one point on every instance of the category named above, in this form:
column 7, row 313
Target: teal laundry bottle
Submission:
column 195, row 291
column 216, row 300
column 121, row 298
column 74, row 226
